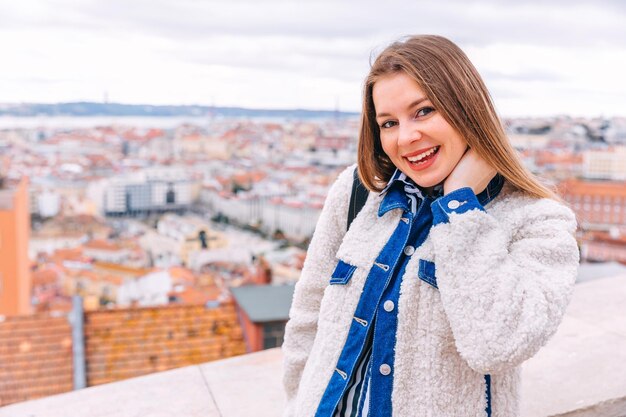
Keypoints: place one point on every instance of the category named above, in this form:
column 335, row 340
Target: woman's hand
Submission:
column 471, row 171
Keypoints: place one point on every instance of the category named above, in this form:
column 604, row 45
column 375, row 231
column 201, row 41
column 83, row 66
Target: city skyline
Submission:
column 536, row 59
column 161, row 238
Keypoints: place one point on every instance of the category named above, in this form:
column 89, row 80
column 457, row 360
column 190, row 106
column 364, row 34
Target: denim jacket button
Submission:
column 409, row 250
column 385, row 369
column 453, row 204
column 388, row 306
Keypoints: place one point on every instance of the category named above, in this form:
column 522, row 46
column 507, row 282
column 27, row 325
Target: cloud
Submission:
column 572, row 23
column 532, row 75
column 555, row 23
column 189, row 50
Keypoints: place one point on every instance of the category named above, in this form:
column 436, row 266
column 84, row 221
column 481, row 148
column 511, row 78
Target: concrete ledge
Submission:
column 247, row 385
column 582, row 369
column 179, row 392
column 612, row 408
column 581, row 372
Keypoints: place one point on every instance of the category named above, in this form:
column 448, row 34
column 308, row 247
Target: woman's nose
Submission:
column 408, row 133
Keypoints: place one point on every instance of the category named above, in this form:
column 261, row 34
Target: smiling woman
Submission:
column 412, row 133
column 432, row 75
column 457, row 269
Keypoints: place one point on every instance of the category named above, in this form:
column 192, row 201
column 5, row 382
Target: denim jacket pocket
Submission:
column 342, row 273
column 426, row 272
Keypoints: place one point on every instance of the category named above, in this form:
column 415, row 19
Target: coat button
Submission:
column 453, row 204
column 385, row 369
column 409, row 250
column 388, row 306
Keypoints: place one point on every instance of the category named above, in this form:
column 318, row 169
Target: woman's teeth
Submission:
column 423, row 155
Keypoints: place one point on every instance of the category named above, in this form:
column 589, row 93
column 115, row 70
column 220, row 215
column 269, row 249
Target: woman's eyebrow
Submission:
column 415, row 103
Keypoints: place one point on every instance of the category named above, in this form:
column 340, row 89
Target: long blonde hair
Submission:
column 453, row 85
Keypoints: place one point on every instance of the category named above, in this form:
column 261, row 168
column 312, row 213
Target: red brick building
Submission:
column 598, row 204
column 602, row 247
column 600, row 208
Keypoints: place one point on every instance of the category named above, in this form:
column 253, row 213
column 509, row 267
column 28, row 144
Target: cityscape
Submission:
column 181, row 244
column 163, row 165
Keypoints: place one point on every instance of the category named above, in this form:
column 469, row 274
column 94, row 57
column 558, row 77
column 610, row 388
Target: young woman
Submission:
column 458, row 268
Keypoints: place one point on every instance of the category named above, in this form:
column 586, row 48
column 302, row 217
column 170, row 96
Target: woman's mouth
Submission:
column 424, row 159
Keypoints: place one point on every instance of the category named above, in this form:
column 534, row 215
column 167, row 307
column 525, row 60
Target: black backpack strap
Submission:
column 357, row 198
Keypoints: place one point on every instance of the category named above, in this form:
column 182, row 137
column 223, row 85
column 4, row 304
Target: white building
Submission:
column 103, row 251
column 163, row 251
column 605, row 164
column 294, row 218
column 50, row 244
column 153, row 189
column 48, row 203
column 150, row 290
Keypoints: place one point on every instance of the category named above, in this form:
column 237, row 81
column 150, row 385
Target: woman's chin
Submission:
column 430, row 182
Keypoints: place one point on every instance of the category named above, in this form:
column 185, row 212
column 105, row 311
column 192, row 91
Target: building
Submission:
column 607, row 164
column 557, row 163
column 66, row 232
column 124, row 196
column 292, row 217
column 603, row 247
column 263, row 312
column 599, row 205
column 46, row 203
column 203, row 147
column 179, row 239
column 15, row 277
column 106, row 251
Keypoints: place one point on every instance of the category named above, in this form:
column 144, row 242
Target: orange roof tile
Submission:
column 182, row 275
column 600, row 188
column 101, row 244
column 122, row 269
column 130, row 342
column 74, row 254
column 191, row 295
column 45, row 277
column 36, row 353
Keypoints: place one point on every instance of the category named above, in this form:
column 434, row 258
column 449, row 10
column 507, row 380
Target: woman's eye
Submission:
column 425, row 111
column 388, row 124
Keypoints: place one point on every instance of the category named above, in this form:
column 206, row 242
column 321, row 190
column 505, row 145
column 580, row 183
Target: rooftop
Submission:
column 253, row 299
column 581, row 372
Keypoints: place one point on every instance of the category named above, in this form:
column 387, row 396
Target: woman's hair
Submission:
column 457, row 91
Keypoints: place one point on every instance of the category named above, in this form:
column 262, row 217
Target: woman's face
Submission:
column 413, row 134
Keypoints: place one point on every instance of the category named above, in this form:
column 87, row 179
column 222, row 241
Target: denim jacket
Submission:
column 476, row 294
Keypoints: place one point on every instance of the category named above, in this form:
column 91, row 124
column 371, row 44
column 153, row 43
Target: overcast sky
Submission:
column 537, row 58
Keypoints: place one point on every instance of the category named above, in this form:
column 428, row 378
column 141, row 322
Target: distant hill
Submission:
column 116, row 109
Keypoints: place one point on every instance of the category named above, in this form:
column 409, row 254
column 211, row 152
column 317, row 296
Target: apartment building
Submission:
column 609, row 164
column 15, row 276
column 598, row 204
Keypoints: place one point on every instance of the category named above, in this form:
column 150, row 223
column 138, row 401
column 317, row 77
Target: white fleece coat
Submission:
column 505, row 277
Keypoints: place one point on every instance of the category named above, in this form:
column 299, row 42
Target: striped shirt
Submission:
column 355, row 401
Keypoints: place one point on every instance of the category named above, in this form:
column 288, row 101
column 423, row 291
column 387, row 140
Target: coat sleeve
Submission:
column 301, row 328
column 503, row 289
